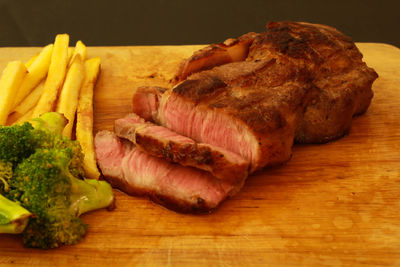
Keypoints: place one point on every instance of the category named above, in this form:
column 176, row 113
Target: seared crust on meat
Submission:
column 337, row 71
column 170, row 202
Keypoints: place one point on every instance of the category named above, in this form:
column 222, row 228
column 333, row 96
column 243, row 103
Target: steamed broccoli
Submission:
column 47, row 134
column 13, row 217
column 5, row 175
column 47, row 180
column 20, row 141
column 16, row 143
column 43, row 184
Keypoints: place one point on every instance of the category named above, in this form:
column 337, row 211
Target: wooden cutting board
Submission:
column 335, row 204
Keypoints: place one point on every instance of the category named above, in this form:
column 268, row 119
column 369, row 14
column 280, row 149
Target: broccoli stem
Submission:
column 50, row 121
column 13, row 217
column 90, row 194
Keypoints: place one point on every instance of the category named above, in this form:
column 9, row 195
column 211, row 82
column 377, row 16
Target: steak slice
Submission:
column 161, row 142
column 180, row 188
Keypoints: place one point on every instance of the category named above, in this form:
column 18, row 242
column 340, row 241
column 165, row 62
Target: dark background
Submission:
column 162, row 22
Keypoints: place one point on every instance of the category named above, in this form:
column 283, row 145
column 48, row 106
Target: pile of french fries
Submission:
column 60, row 79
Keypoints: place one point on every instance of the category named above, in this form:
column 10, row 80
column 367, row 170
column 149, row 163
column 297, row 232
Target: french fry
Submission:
column 80, row 49
column 37, row 70
column 13, row 118
column 10, row 81
column 30, row 61
column 70, row 53
column 26, row 117
column 55, row 76
column 68, row 100
column 27, row 104
column 84, row 117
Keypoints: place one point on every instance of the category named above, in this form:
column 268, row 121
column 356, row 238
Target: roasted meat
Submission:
column 257, row 95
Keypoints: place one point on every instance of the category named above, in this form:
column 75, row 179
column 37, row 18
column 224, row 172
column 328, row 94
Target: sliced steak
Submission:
column 184, row 189
column 225, row 107
column 161, row 142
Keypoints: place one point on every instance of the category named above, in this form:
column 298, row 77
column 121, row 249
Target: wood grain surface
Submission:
column 335, row 204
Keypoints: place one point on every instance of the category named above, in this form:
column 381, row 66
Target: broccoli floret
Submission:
column 16, row 142
column 47, row 133
column 20, row 141
column 75, row 166
column 43, row 184
column 46, row 139
column 5, row 175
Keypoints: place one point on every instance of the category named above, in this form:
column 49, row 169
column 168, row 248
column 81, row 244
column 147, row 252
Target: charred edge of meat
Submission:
column 366, row 95
column 231, row 50
column 292, row 39
column 182, row 207
column 196, row 90
column 301, row 139
column 165, row 201
column 173, row 152
column 204, row 156
column 203, row 59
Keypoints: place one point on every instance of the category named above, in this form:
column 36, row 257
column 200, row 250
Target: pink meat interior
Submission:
column 208, row 126
column 162, row 133
column 144, row 103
